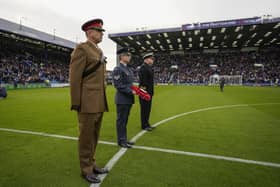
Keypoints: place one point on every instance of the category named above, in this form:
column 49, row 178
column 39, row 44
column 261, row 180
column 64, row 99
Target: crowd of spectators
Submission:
column 262, row 67
column 25, row 68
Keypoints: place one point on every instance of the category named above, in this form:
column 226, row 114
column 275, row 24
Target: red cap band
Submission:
column 97, row 25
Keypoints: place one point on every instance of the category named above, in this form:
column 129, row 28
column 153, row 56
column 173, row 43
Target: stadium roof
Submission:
column 210, row 36
column 11, row 27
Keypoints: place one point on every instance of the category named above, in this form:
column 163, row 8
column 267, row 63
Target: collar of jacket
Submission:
column 94, row 45
column 123, row 64
column 147, row 65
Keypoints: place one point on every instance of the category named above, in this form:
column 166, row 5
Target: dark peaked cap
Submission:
column 96, row 24
column 122, row 51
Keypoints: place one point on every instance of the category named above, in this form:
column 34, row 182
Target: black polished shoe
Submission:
column 125, row 145
column 97, row 170
column 130, row 143
column 148, row 129
column 92, row 178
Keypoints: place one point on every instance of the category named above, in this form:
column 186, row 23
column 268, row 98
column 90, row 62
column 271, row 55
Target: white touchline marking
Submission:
column 121, row 152
column 50, row 135
column 39, row 133
column 217, row 157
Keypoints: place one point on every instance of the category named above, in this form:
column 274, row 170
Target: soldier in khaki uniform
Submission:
column 88, row 97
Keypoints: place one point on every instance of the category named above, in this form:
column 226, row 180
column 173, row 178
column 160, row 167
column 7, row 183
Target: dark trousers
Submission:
column 123, row 111
column 222, row 88
column 145, row 112
column 3, row 92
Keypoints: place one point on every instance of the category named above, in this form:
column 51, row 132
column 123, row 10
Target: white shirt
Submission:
column 123, row 63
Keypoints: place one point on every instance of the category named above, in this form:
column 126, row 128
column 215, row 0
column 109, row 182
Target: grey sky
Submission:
column 66, row 16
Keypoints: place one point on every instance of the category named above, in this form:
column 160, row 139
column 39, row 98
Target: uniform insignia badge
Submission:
column 117, row 77
column 126, row 72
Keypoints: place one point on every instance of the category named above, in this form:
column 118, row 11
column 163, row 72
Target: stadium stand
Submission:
column 31, row 56
column 27, row 69
column 195, row 68
column 190, row 54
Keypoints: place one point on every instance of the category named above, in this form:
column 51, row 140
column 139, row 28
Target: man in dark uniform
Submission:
column 124, row 98
column 3, row 92
column 146, row 82
column 88, row 97
column 222, row 84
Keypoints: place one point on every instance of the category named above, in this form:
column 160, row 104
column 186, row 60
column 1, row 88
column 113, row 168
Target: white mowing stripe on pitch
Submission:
column 118, row 155
column 123, row 150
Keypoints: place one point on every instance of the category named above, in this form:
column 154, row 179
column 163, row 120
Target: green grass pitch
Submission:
column 249, row 132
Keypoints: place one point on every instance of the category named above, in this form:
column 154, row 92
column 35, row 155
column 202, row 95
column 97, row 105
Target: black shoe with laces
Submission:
column 130, row 143
column 148, row 129
column 92, row 178
column 99, row 171
column 125, row 145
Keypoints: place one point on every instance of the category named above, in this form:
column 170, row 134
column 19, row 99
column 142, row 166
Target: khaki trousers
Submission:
column 89, row 126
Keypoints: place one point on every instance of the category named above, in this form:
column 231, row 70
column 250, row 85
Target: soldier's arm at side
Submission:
column 77, row 66
column 118, row 82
